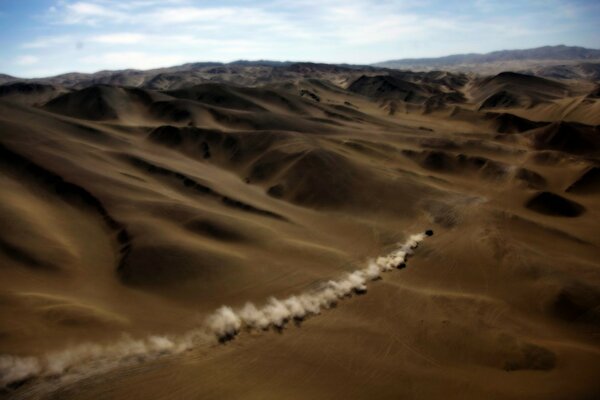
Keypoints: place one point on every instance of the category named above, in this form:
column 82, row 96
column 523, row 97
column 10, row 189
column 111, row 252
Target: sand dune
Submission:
column 588, row 182
column 148, row 215
column 30, row 93
column 567, row 137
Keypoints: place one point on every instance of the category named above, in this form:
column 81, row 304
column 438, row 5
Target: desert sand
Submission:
column 131, row 213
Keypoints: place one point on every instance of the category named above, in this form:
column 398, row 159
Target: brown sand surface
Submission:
column 130, row 211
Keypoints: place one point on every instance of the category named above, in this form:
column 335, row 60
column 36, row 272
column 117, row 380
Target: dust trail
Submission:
column 85, row 359
column 224, row 324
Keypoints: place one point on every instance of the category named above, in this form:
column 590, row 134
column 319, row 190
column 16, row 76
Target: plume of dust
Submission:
column 83, row 359
column 224, row 323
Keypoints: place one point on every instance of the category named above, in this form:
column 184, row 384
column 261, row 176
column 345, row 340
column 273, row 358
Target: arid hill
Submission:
column 136, row 203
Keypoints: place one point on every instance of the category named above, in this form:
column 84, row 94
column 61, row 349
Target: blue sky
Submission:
column 47, row 37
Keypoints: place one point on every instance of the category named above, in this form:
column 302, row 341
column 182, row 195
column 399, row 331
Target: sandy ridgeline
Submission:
column 224, row 324
column 139, row 206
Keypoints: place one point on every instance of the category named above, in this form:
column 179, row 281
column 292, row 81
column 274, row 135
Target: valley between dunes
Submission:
column 135, row 210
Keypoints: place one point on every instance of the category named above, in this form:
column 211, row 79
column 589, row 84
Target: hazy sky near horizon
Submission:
column 48, row 37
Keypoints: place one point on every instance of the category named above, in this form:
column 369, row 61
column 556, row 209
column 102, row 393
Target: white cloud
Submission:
column 132, row 59
column 190, row 14
column 304, row 29
column 26, row 60
column 48, row 41
column 88, row 13
column 118, row 38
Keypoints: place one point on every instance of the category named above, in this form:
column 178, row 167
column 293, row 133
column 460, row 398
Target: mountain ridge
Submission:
column 559, row 52
column 557, row 62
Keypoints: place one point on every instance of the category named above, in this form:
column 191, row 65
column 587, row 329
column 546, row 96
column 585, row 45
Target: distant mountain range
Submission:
column 498, row 61
column 557, row 62
column 245, row 73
